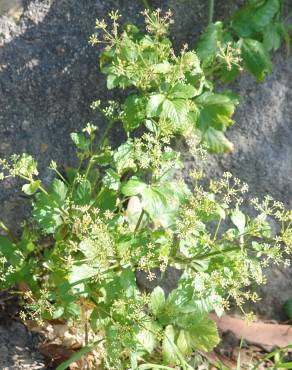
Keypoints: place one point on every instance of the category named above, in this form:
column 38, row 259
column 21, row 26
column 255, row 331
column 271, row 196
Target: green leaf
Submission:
column 47, row 208
column 82, row 193
column 133, row 187
column 58, row 312
column 239, row 220
column 106, row 199
column 81, row 272
column 154, row 105
column 127, row 281
column 104, row 158
column 216, row 110
column 176, row 110
column 157, row 300
column 283, row 365
column 111, row 180
column 202, row 330
column 255, row 58
column 155, row 203
column 151, row 126
column 272, row 37
column 134, row 112
column 253, row 18
column 9, row 251
column 287, row 308
column 210, row 40
column 26, row 166
column 146, row 336
column 31, row 188
column 182, row 91
column 123, row 158
column 216, row 141
column 81, row 141
column 168, row 353
column 184, row 343
column 84, row 351
column 88, row 248
column 163, row 67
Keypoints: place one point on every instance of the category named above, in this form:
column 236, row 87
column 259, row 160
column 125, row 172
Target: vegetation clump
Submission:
column 129, row 209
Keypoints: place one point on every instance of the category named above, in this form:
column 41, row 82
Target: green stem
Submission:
column 146, row 4
column 211, row 11
column 217, row 228
column 99, row 146
column 30, row 180
column 61, row 176
column 7, row 231
column 105, row 134
column 139, row 221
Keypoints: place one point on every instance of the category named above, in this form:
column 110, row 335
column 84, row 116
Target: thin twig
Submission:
column 211, row 11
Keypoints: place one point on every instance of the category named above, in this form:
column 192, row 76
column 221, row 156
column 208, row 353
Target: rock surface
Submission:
column 49, row 75
column 17, row 349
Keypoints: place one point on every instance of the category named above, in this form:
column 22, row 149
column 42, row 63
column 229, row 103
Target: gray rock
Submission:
column 17, row 351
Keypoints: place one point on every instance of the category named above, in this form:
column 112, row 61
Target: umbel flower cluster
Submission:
column 128, row 208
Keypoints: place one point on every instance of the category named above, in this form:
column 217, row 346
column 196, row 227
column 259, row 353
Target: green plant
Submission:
column 255, row 30
column 129, row 208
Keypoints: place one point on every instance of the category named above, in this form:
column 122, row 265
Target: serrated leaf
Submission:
column 216, row 110
column 216, row 141
column 133, row 187
column 157, row 300
column 154, row 105
column 210, row 40
column 176, row 110
column 255, row 58
column 239, row 220
column 31, row 188
column 182, row 91
column 202, row 330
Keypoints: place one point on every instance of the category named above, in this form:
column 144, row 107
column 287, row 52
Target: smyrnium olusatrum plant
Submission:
column 128, row 209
